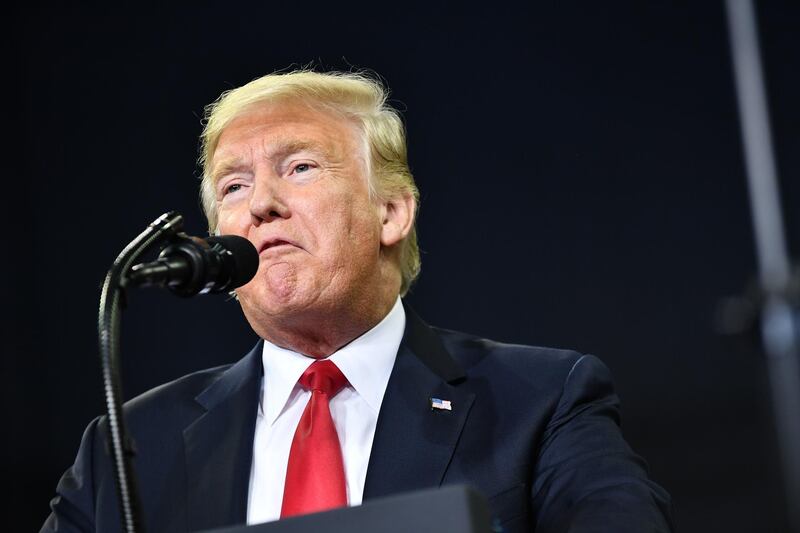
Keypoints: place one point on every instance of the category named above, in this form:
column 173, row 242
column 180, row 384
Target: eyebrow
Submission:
column 290, row 146
column 280, row 148
column 226, row 166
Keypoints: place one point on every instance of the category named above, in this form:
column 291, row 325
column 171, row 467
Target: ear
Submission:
column 397, row 218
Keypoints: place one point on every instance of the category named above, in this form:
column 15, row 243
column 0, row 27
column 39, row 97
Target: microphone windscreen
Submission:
column 243, row 254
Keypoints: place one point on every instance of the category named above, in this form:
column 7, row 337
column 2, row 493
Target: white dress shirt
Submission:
column 367, row 363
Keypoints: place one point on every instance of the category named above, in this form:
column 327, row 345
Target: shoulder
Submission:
column 197, row 391
column 176, row 392
column 525, row 365
column 473, row 351
column 172, row 404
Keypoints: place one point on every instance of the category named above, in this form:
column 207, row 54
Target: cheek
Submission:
column 366, row 224
column 230, row 221
column 346, row 227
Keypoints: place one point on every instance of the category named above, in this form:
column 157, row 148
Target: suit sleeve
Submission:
column 72, row 509
column 587, row 478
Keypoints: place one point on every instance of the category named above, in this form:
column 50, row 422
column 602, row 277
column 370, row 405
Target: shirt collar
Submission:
column 366, row 362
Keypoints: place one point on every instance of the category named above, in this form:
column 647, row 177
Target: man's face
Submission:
column 293, row 180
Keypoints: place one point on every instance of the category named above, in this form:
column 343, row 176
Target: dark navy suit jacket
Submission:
column 535, row 430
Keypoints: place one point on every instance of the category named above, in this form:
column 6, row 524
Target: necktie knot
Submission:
column 323, row 376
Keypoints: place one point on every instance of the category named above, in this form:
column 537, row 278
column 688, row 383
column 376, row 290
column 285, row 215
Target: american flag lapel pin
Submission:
column 442, row 405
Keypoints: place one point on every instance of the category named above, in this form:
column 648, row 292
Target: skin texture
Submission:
column 293, row 180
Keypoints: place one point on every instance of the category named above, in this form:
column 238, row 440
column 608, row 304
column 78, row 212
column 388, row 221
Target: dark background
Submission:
column 582, row 186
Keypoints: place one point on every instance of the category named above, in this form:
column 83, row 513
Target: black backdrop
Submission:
column 582, row 186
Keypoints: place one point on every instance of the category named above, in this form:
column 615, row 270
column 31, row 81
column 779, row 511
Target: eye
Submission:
column 302, row 167
column 233, row 187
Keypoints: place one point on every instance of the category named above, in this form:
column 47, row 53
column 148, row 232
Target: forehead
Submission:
column 270, row 128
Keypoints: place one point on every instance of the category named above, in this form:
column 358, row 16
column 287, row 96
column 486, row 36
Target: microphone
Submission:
column 192, row 265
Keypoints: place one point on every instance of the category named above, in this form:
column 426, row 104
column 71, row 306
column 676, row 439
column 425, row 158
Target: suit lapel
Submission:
column 412, row 448
column 413, row 442
column 219, row 446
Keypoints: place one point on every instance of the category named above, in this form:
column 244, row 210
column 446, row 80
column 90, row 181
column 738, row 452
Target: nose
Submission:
column 268, row 200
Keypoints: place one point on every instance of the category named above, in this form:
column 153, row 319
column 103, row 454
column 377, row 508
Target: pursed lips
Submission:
column 276, row 244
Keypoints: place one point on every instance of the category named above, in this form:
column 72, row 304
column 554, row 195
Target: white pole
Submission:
column 779, row 321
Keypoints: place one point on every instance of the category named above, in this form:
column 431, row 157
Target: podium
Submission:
column 450, row 509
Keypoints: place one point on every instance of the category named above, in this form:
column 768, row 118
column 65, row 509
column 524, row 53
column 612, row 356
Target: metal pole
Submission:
column 779, row 322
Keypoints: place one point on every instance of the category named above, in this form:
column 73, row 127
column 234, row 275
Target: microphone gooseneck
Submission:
column 187, row 266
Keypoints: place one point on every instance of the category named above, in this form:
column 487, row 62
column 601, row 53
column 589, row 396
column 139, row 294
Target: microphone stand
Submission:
column 113, row 292
column 778, row 303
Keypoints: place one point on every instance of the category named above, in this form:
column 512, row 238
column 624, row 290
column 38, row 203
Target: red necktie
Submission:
column 315, row 474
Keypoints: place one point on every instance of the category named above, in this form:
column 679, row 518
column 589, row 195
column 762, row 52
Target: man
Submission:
column 312, row 169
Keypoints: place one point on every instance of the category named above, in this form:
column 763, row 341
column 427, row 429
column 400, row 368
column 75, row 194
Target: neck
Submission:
column 319, row 334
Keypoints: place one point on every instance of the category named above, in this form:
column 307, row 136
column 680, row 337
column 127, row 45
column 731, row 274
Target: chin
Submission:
column 269, row 302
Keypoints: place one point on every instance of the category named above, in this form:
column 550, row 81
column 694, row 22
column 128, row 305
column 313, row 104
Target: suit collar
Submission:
column 423, row 370
column 426, row 345
column 219, row 446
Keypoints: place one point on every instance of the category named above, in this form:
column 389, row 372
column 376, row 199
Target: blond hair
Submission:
column 356, row 96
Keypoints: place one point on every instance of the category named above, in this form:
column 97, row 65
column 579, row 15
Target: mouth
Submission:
column 276, row 245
